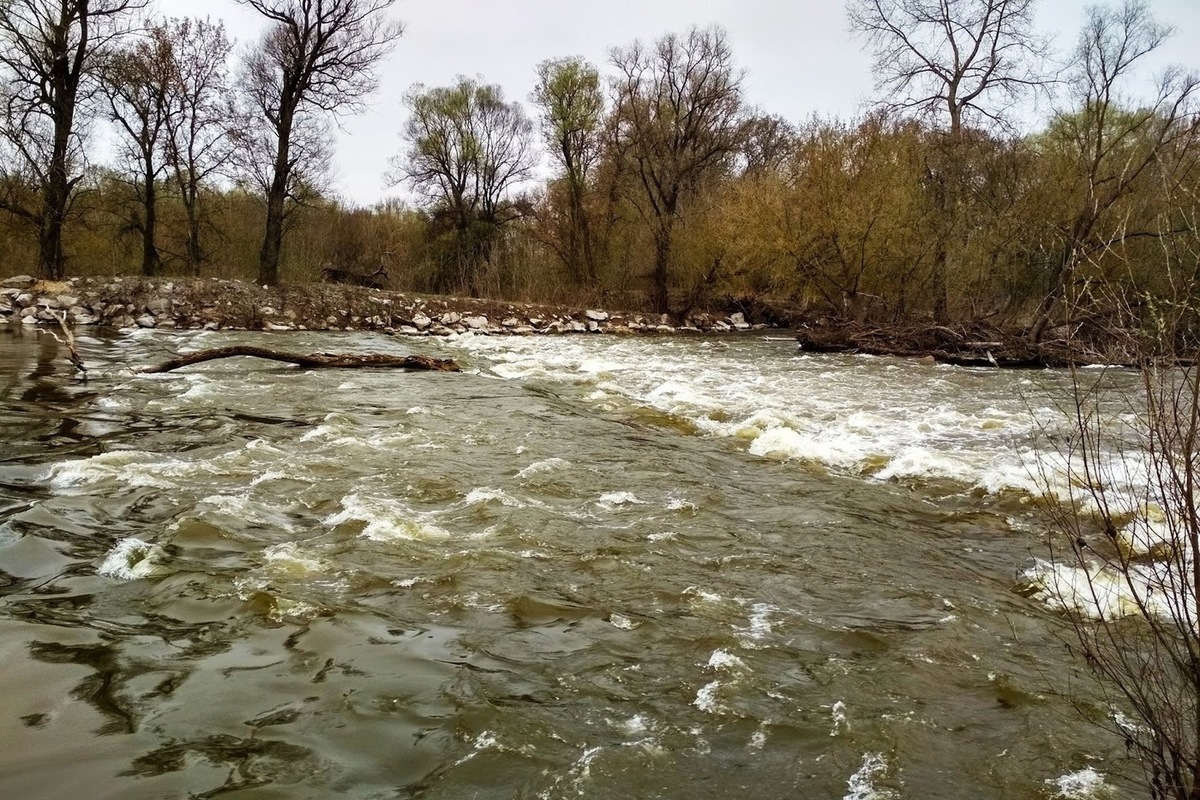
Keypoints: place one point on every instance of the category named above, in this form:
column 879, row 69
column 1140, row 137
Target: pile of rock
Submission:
column 233, row 305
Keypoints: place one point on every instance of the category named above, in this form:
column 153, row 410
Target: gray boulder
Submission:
column 18, row 282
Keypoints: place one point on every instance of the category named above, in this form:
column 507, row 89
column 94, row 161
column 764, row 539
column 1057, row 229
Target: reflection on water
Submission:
column 588, row 567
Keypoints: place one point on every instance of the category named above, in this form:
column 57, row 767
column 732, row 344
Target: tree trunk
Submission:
column 149, row 223
column 55, row 196
column 581, row 237
column 660, row 294
column 268, row 261
column 937, row 284
column 54, row 212
column 191, row 209
column 312, row 360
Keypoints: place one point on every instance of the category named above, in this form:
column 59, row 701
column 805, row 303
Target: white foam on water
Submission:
column 244, row 508
column 723, row 660
column 386, row 520
column 291, row 559
column 483, row 495
column 676, row 502
column 703, row 595
column 269, row 475
column 760, row 625
column 853, row 415
column 201, row 389
column 1150, row 533
column 838, row 713
column 621, row 622
column 861, row 785
column 635, row 725
column 758, row 739
column 616, row 499
column 577, row 774
column 1102, row 592
column 544, row 466
column 131, row 559
column 707, row 699
column 1086, row 784
column 124, row 466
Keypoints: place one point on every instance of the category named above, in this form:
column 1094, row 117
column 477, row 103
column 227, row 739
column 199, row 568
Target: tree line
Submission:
column 945, row 202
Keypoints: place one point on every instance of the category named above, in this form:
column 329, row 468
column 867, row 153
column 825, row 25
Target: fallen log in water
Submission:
column 312, row 360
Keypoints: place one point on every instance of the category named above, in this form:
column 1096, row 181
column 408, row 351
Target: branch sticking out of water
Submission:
column 312, row 360
column 67, row 340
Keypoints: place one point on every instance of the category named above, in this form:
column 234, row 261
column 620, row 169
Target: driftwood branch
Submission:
column 312, row 360
column 67, row 340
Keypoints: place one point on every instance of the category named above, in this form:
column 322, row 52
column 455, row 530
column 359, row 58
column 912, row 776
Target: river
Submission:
column 587, row 567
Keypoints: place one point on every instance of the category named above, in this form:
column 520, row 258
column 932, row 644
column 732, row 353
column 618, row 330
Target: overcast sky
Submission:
column 799, row 56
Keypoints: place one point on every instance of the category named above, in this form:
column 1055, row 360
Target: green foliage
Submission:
column 467, row 151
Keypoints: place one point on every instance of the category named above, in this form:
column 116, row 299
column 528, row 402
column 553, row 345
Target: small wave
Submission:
column 616, row 499
column 724, row 661
column 243, row 508
column 1086, row 784
column 386, row 520
column 621, row 622
column 131, row 559
column 861, row 785
column 575, row 776
column 483, row 496
column 707, row 699
column 546, row 465
column 678, row 503
column 132, row 467
column 838, row 713
column 759, row 627
column 290, row 558
column 1100, row 592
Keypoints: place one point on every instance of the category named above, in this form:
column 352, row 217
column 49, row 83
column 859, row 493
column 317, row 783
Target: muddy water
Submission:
column 588, row 567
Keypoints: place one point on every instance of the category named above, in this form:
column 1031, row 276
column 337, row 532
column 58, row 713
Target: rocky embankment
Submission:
column 215, row 304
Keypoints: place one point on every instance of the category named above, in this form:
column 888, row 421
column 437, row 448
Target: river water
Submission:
column 588, row 567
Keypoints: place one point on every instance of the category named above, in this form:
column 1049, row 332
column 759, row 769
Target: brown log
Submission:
column 312, row 360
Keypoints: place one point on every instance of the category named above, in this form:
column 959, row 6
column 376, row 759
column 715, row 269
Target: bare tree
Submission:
column 568, row 93
column 768, row 144
column 677, row 120
column 48, row 60
column 138, row 81
column 467, row 151
column 954, row 62
column 1125, row 545
column 1117, row 145
column 317, row 56
column 202, row 121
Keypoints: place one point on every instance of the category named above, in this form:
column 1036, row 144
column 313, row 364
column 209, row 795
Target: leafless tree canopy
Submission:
column 202, row 122
column 48, row 55
column 677, row 120
column 318, row 56
column 1118, row 147
column 960, row 58
column 139, row 83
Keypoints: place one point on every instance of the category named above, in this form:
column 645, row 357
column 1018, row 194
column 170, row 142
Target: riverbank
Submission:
column 974, row 345
column 215, row 304
column 218, row 304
